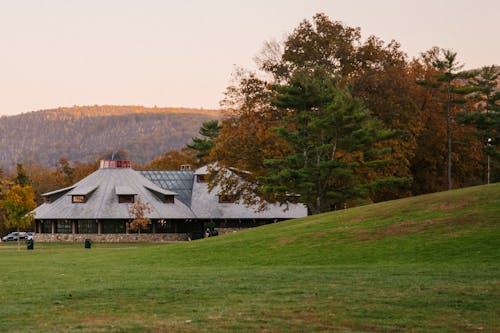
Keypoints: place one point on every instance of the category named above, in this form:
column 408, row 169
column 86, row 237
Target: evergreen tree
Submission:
column 331, row 138
column 445, row 61
column 209, row 131
column 486, row 117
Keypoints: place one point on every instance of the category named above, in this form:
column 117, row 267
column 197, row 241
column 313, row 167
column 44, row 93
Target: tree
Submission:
column 22, row 177
column 171, row 160
column 322, row 43
column 64, row 169
column 209, row 131
column 486, row 117
column 139, row 211
column 385, row 83
column 246, row 138
column 5, row 184
column 445, row 82
column 19, row 201
column 318, row 46
column 331, row 137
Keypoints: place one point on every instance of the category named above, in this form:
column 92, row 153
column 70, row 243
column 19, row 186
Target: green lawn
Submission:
column 423, row 264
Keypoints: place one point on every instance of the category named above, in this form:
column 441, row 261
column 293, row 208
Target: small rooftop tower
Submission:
column 114, row 161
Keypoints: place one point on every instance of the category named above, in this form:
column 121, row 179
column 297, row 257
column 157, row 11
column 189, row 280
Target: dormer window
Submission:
column 78, row 199
column 164, row 196
column 168, row 199
column 201, row 178
column 82, row 194
column 126, row 198
column 125, row 194
column 54, row 195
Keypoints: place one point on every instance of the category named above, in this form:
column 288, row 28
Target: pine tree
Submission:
column 331, row 136
column 445, row 61
column 209, row 131
column 486, row 117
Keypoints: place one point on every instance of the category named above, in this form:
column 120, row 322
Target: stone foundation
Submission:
column 223, row 231
column 112, row 238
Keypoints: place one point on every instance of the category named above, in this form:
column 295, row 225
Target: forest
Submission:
column 330, row 118
column 82, row 133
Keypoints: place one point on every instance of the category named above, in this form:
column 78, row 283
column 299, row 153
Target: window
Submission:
column 63, row 227
column 113, row 227
column 201, row 178
column 126, row 198
column 168, row 199
column 47, row 227
column 77, row 198
column 87, row 227
column 165, row 226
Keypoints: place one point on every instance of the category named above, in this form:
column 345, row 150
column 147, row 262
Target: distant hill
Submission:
column 82, row 133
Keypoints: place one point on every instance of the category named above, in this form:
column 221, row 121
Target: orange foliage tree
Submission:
column 139, row 211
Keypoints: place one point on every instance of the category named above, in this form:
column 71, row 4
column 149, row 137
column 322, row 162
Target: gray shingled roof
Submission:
column 180, row 182
column 206, row 205
column 102, row 203
column 192, row 199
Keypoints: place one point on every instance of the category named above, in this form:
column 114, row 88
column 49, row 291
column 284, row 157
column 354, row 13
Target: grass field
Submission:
column 423, row 264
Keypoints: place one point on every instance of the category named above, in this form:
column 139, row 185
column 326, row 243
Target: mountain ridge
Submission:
column 82, row 133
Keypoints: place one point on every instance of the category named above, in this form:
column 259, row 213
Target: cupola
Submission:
column 115, row 161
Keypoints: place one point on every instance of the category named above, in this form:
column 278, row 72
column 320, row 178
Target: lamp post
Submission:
column 488, row 144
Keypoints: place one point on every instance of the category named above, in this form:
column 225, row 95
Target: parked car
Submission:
column 13, row 236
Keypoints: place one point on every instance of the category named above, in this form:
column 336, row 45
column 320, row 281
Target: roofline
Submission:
column 66, row 189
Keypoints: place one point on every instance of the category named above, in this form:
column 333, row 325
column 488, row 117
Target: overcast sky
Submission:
column 182, row 53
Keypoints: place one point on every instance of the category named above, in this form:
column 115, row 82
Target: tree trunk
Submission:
column 18, row 240
column 448, row 133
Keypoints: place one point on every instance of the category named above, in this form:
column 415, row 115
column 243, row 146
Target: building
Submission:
column 182, row 208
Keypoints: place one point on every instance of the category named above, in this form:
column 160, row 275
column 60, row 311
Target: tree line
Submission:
column 333, row 120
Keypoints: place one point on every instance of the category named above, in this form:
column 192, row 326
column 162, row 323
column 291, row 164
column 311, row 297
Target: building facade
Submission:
column 181, row 207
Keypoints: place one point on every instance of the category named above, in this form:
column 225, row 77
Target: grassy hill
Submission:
column 422, row 264
column 82, row 133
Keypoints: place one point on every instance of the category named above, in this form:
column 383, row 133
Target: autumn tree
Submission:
column 246, row 139
column 65, row 171
column 139, row 212
column 5, row 184
column 19, row 201
column 320, row 43
column 450, row 94
column 485, row 116
column 22, row 178
column 171, row 160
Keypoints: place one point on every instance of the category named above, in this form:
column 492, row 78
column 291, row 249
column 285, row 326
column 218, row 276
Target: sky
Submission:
column 181, row 53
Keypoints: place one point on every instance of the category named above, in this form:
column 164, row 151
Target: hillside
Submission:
column 458, row 226
column 422, row 264
column 83, row 133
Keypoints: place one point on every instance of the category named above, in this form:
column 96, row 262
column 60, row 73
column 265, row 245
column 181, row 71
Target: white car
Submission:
column 13, row 236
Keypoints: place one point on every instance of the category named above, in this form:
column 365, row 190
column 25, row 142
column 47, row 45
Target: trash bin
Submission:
column 88, row 243
column 30, row 244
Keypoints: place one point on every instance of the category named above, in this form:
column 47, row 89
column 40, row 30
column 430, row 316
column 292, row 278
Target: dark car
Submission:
column 13, row 236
